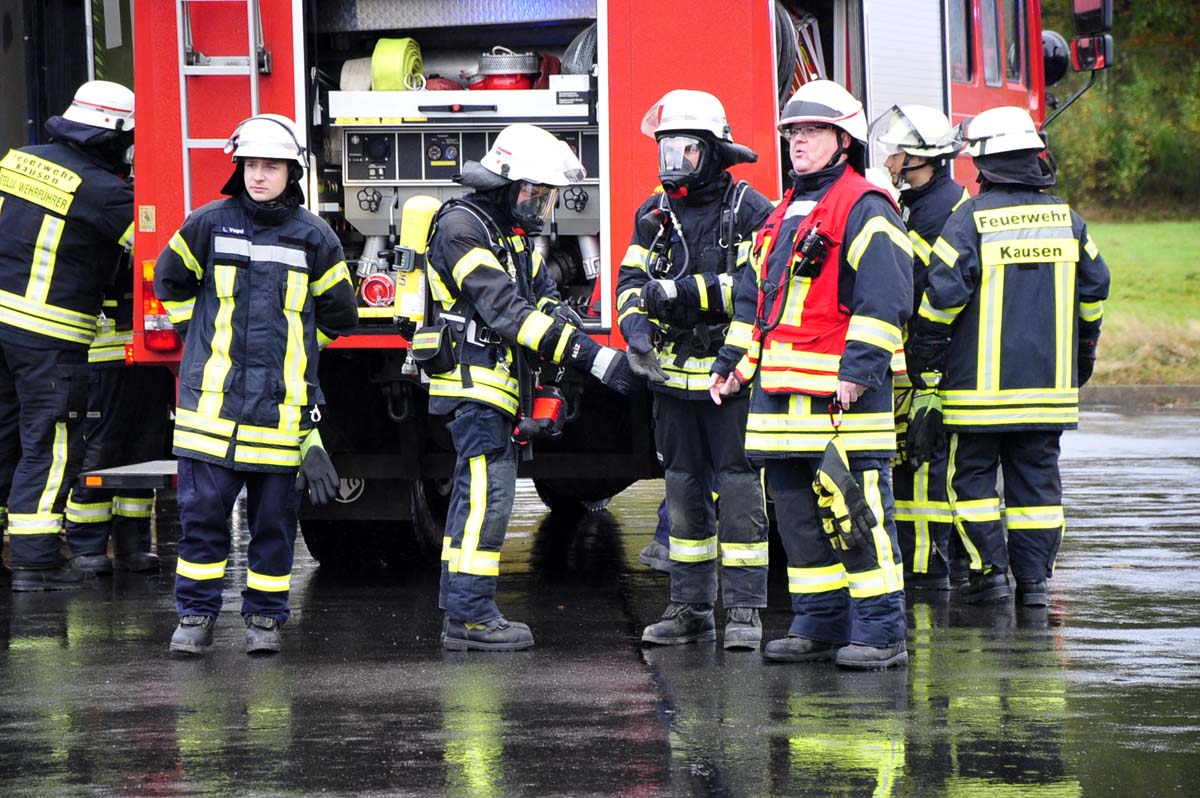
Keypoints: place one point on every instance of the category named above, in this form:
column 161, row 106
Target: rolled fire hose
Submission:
column 393, row 63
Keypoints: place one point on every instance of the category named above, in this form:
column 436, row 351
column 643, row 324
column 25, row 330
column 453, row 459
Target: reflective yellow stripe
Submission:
column 876, row 225
column 88, row 513
column 180, row 248
column 489, row 386
column 744, row 554
column 295, row 356
column 200, row 571
column 1089, row 246
column 636, row 257
column 126, row 239
column 564, row 339
column 323, row 340
column 475, row 258
column 1044, row 517
column 741, row 334
column 1091, row 311
column 947, row 253
column 266, row 583
column 867, row 584
column 133, row 506
column 219, row 363
column 333, row 275
column 179, row 312
column 58, row 467
column 688, row 550
column 922, row 249
column 701, row 290
column 202, row 444
column 973, row 555
column 45, row 253
column 874, row 332
column 533, row 328
column 272, row 436
column 193, row 420
column 257, row 455
column 979, row 511
column 891, row 571
column 817, row 580
column 34, row 523
column 49, row 320
column 471, row 560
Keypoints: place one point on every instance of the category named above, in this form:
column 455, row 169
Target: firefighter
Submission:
column 675, row 294
column 256, row 286
column 66, row 212
column 1010, row 318
column 126, row 423
column 499, row 310
column 919, row 143
column 833, row 289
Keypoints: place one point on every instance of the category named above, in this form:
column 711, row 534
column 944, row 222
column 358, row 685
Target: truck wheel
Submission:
column 342, row 546
column 579, row 495
column 430, row 503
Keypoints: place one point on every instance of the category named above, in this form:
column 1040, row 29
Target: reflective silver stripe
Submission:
column 227, row 245
column 603, row 359
column 44, row 255
column 274, row 253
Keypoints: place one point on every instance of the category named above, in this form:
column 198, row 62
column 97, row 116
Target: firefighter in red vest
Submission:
column 1013, row 308
column 833, row 288
column 919, row 143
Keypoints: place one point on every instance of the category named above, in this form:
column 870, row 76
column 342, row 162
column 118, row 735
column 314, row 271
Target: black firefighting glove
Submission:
column 926, row 437
column 846, row 517
column 316, row 471
column 643, row 359
column 674, row 302
column 924, row 352
column 567, row 313
column 1086, row 355
column 606, row 364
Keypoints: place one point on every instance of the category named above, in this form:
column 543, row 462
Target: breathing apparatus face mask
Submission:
column 681, row 162
column 532, row 203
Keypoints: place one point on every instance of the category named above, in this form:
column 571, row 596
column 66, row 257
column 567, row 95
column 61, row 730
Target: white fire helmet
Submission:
column 686, row 109
column 530, row 153
column 267, row 136
column 1003, row 129
column 102, row 103
column 917, row 130
column 825, row 102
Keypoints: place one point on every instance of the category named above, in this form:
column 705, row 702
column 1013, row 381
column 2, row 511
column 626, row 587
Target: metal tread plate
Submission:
column 150, row 474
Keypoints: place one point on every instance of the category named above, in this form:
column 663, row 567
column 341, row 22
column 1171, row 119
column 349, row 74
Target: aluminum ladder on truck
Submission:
column 195, row 64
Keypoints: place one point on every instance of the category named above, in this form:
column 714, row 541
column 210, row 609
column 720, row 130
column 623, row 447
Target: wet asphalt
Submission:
column 1097, row 696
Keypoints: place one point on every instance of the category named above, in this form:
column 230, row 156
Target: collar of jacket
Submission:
column 1023, row 168
column 269, row 214
column 912, row 195
column 708, row 193
column 815, row 182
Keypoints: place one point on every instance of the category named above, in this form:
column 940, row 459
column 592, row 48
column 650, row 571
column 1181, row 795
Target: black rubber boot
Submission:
column 193, row 635
column 131, row 545
column 63, row 577
column 682, row 623
column 858, row 657
column 800, row 649
column 497, row 634
column 986, row 588
column 263, row 635
column 1031, row 592
column 93, row 563
column 656, row 556
column 743, row 629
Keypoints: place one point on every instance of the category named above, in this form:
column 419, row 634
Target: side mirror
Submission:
column 1091, row 16
column 1091, row 53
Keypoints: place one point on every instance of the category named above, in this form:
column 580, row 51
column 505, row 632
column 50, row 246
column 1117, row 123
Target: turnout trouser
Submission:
column 126, row 424
column 207, row 493
column 43, row 401
column 839, row 595
column 1033, row 513
column 702, row 447
column 481, row 501
column 923, row 518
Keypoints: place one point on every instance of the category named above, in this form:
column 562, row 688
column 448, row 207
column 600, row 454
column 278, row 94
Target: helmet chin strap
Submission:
column 841, row 150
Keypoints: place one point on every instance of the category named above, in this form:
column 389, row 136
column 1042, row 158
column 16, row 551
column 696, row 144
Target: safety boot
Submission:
column 97, row 564
column 859, row 657
column 193, row 635
column 800, row 649
column 985, row 588
column 743, row 629
column 656, row 556
column 498, row 634
column 1031, row 592
column 262, row 635
column 131, row 545
column 682, row 623
column 62, row 577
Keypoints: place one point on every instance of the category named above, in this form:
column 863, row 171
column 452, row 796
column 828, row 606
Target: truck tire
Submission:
column 430, row 503
column 579, row 495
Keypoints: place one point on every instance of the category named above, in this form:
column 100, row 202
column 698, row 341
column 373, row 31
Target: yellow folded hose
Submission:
column 392, row 62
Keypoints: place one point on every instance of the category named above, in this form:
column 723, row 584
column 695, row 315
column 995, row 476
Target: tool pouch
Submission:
column 433, row 348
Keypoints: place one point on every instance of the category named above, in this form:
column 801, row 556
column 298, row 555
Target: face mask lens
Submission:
column 534, row 202
column 679, row 154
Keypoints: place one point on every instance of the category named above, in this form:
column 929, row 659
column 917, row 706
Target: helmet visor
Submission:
column 679, row 155
column 892, row 132
column 534, row 202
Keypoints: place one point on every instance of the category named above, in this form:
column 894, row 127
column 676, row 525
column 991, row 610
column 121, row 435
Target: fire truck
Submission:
column 394, row 95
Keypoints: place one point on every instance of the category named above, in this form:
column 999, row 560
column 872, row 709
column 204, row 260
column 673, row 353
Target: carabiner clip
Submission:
column 835, row 421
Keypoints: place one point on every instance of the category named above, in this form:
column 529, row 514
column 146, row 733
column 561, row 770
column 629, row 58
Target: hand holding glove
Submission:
column 316, row 471
column 644, row 361
column 926, row 437
column 846, row 517
column 657, row 296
